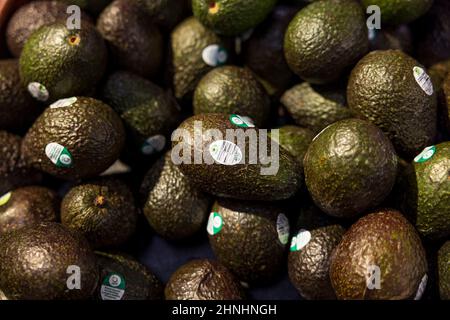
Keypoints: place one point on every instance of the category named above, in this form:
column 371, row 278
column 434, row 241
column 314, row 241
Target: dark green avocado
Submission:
column 400, row 11
column 445, row 105
column 395, row 38
column 444, row 271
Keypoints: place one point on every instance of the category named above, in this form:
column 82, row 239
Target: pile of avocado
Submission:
column 339, row 189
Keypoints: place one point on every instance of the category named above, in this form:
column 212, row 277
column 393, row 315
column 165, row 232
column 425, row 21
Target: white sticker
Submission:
column 241, row 121
column 154, row 145
column 225, row 152
column 113, row 287
column 215, row 223
column 214, row 55
column 38, row 91
column 423, row 79
column 425, row 155
column 283, row 229
column 63, row 103
column 421, row 288
column 300, row 240
column 5, row 198
column 59, row 155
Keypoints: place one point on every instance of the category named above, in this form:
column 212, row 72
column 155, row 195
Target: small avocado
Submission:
column 203, row 280
column 395, row 38
column 350, row 167
column 325, row 38
column 249, row 238
column 226, row 168
column 103, row 211
column 27, row 206
column 400, row 11
column 92, row 6
column 231, row 17
column 74, row 138
column 444, row 271
column 175, row 208
column 315, row 107
column 380, row 257
column 43, row 262
column 295, row 140
column 393, row 91
column 135, row 43
column 232, row 90
column 124, row 278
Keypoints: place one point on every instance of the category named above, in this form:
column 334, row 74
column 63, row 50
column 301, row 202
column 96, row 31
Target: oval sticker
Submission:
column 113, row 287
column 38, row 91
column 5, row 198
column 241, row 121
column 215, row 223
column 59, row 155
column 63, row 103
column 423, row 80
column 425, row 155
column 225, row 152
column 300, row 240
column 283, row 228
column 154, row 145
column 214, row 55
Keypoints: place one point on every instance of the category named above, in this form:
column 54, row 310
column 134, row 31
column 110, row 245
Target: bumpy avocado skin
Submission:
column 400, row 11
column 91, row 131
column 35, row 262
column 325, row 38
column 350, row 167
column 232, row 17
column 203, row 280
column 384, row 239
column 382, row 89
column 295, row 140
column 67, row 62
column 29, row 206
column 141, row 283
column 445, row 104
column 232, row 90
column 444, row 271
column 175, row 208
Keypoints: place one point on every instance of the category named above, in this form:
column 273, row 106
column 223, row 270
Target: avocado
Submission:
column 426, row 192
column 27, row 206
column 57, row 63
column 203, row 280
column 295, row 140
column 135, row 43
column 17, row 109
column 195, row 50
column 43, row 262
column 231, row 17
column 232, row 90
column 102, row 210
column 445, row 105
column 136, row 282
column 309, row 261
column 325, row 38
column 74, row 138
column 249, row 238
column 400, row 11
column 315, row 107
column 380, row 257
column 350, row 167
column 153, row 7
column 392, row 90
column 175, row 208
column 92, row 6
column 444, row 271
column 171, row 14
column 393, row 37
column 438, row 73
column 227, row 170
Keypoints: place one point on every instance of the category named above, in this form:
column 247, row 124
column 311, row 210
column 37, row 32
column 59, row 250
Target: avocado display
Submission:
column 392, row 90
column 295, row 140
column 203, row 280
column 46, row 262
column 325, row 38
column 400, row 11
column 350, row 167
column 222, row 167
column 316, row 107
column 232, row 90
column 74, row 138
column 444, row 271
column 175, row 208
column 394, row 37
column 28, row 206
column 231, row 17
column 135, row 43
column 124, row 278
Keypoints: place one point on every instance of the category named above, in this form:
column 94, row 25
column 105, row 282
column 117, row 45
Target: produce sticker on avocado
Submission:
column 225, row 152
column 5, row 198
column 153, row 145
column 421, row 288
column 59, row 155
column 300, row 240
column 38, row 91
column 113, row 287
column 283, row 229
column 425, row 155
column 423, row 79
column 63, row 103
column 214, row 55
column 215, row 223
column 241, row 121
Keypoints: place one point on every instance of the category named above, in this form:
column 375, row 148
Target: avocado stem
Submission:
column 99, row 201
column 213, row 7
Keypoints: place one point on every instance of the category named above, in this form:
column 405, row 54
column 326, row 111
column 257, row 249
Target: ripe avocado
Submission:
column 400, row 11
column 249, row 238
column 228, row 177
column 57, row 63
column 203, row 280
column 175, row 208
column 325, row 38
column 37, row 260
column 393, row 91
column 75, row 138
column 232, row 17
column 295, row 140
column 381, row 246
column 444, row 271
column 138, row 282
column 28, row 206
column 232, row 90
column 350, row 167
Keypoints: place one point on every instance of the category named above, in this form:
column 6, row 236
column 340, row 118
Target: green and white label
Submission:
column 423, row 79
column 38, row 91
column 215, row 223
column 63, row 103
column 421, row 288
column 59, row 155
column 113, row 287
column 5, row 198
column 426, row 154
column 214, row 55
column 241, row 121
column 225, row 152
column 300, row 240
column 283, row 229
column 154, row 145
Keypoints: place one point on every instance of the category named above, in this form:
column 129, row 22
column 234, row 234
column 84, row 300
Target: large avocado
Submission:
column 444, row 271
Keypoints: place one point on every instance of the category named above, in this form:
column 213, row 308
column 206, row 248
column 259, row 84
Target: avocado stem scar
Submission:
column 74, row 40
column 99, row 201
column 213, row 7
